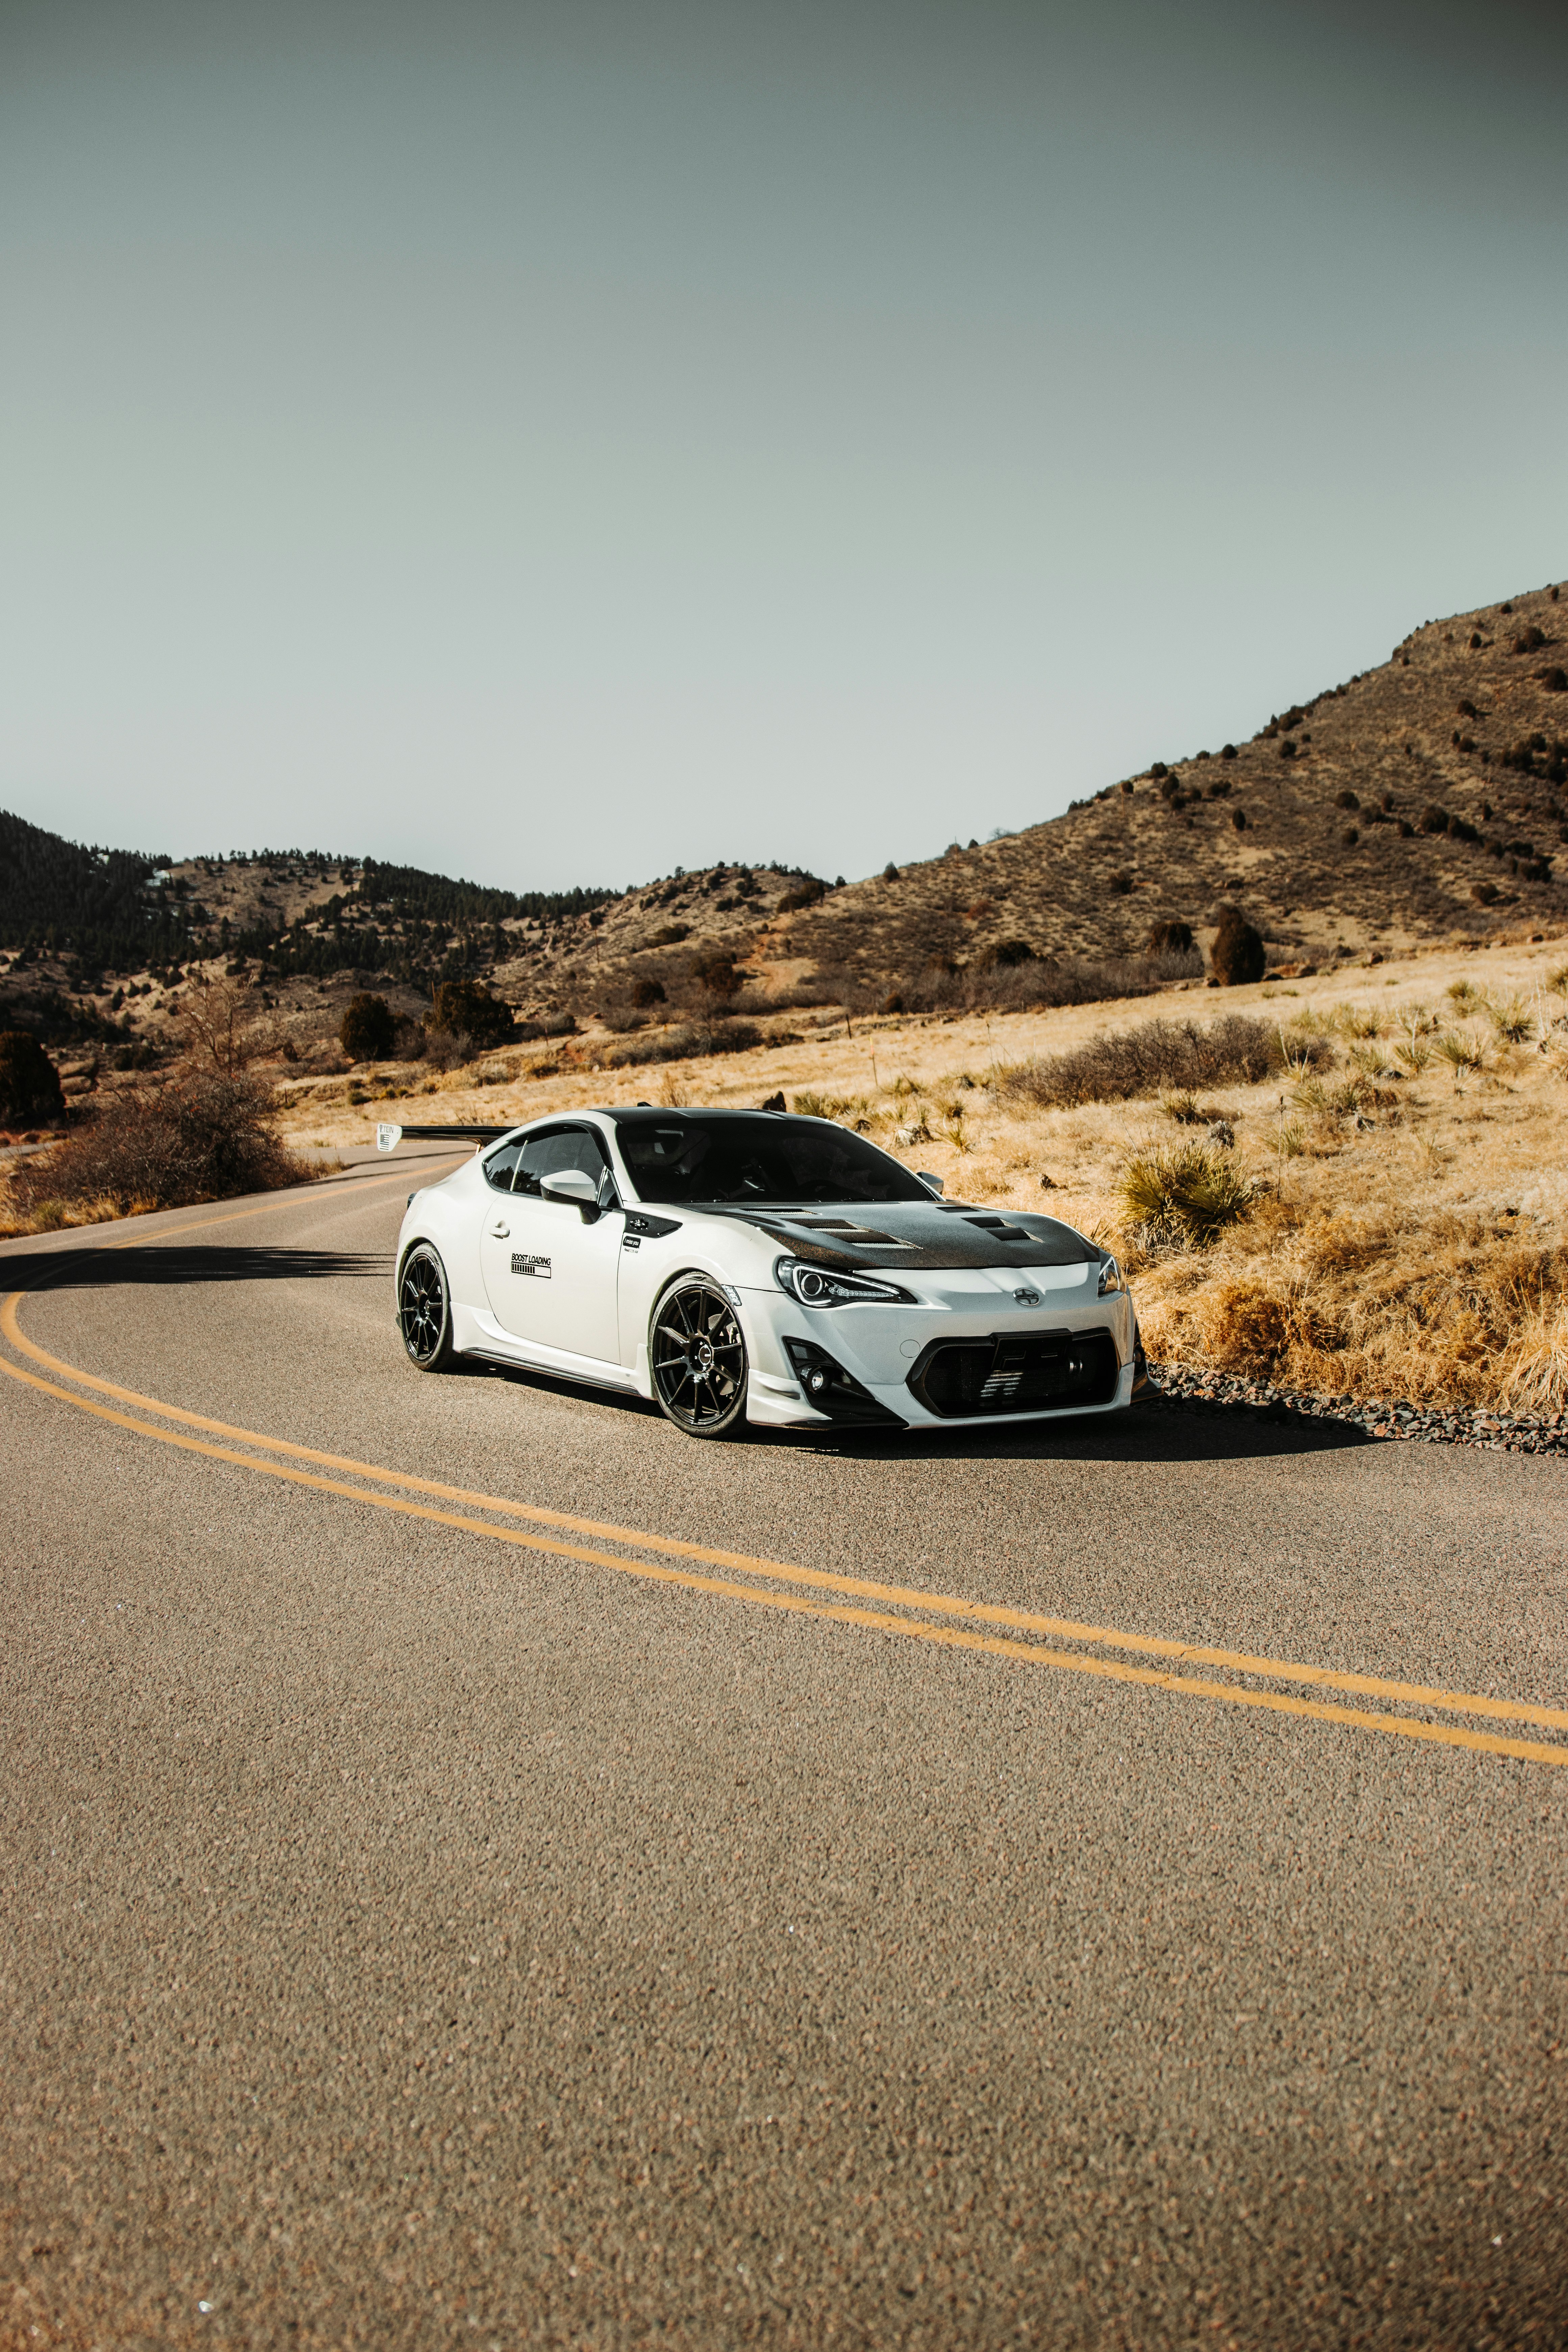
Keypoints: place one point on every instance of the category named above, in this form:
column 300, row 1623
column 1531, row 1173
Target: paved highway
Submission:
column 482, row 1869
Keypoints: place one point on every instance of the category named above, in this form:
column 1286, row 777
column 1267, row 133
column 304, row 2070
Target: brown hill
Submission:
column 1421, row 800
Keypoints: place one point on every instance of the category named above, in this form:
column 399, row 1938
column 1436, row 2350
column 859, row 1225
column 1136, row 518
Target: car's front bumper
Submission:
column 995, row 1362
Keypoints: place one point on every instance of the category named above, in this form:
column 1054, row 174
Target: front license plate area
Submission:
column 1035, row 1372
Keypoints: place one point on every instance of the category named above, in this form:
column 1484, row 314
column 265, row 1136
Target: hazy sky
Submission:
column 557, row 443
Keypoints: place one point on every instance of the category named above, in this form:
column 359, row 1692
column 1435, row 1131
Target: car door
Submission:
column 550, row 1270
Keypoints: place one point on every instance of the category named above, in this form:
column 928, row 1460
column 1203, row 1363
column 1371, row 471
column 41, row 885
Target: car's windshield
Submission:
column 762, row 1161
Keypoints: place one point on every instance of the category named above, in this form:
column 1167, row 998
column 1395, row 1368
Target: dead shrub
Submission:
column 200, row 1136
column 685, row 1043
column 1156, row 1057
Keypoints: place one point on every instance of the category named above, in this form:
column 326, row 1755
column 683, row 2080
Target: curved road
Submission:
column 483, row 1869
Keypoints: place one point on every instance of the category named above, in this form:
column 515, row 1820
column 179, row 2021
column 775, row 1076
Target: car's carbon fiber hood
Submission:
column 915, row 1233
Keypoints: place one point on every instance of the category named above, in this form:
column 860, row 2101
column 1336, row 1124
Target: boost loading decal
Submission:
column 538, row 1266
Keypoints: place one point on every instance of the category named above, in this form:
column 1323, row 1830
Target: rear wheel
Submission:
column 425, row 1310
column 696, row 1354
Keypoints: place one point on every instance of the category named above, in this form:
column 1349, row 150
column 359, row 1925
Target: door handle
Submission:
column 500, row 1231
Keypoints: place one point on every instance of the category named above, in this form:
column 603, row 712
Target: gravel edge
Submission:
column 1181, row 1389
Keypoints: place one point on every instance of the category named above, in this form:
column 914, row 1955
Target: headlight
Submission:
column 1110, row 1275
column 814, row 1285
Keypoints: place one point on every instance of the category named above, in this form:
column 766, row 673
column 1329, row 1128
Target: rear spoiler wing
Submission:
column 388, row 1138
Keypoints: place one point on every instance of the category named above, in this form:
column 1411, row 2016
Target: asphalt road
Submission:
column 428, row 1923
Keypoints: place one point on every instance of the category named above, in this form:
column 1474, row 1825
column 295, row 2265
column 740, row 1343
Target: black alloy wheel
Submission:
column 698, row 1357
column 425, row 1310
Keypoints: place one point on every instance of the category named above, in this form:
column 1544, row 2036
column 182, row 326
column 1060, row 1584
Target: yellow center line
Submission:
column 820, row 1580
column 945, row 1637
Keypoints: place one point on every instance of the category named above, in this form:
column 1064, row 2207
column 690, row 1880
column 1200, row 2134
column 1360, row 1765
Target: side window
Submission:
column 556, row 1148
column 501, row 1165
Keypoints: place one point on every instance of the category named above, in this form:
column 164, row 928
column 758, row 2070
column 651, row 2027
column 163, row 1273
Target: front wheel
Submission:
column 425, row 1310
column 696, row 1354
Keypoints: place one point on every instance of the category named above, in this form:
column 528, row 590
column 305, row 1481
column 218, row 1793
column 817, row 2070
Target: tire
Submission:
column 425, row 1310
column 697, row 1356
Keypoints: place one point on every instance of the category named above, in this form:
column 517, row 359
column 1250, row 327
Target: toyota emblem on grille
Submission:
column 1027, row 1297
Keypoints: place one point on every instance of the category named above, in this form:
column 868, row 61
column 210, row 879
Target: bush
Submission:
column 1434, row 819
column 805, row 893
column 1189, row 1194
column 1157, row 1057
column 198, row 1137
column 1120, row 885
column 1555, row 679
column 647, row 993
column 1236, row 955
column 669, row 935
column 1347, row 799
column 1227, row 751
column 1169, row 939
column 1238, row 819
column 465, row 1008
column 890, row 872
column 1011, row 953
column 368, row 1030
column 30, row 1092
column 716, row 973
column 1530, row 641
column 685, row 1044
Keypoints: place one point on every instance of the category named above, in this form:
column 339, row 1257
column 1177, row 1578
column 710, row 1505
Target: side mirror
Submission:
column 935, row 1182
column 570, row 1184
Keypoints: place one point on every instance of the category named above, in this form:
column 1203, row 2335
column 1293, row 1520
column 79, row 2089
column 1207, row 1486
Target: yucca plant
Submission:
column 1462, row 1052
column 1514, row 1021
column 1184, row 1107
column 1189, row 1194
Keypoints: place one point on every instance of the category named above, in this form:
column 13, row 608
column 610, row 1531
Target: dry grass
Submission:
column 1406, row 1232
column 59, row 1216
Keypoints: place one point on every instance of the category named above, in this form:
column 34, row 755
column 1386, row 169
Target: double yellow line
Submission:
column 945, row 1620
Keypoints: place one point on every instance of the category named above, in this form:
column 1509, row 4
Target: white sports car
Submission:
column 749, row 1267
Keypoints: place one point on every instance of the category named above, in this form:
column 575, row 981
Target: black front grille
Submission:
column 1032, row 1371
